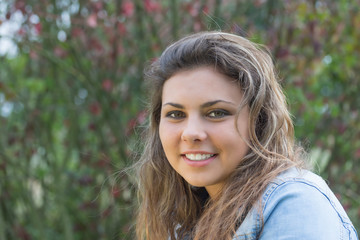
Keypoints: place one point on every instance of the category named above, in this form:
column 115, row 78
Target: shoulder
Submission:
column 298, row 204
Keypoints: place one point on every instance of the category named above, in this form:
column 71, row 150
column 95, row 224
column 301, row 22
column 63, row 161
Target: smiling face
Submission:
column 197, row 129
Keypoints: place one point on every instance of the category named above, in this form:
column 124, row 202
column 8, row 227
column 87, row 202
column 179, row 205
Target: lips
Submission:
column 197, row 160
column 198, row 156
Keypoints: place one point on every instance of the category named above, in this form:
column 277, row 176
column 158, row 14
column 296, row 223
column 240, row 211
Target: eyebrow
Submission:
column 205, row 105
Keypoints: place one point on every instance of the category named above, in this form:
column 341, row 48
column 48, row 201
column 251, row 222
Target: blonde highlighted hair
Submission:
column 169, row 207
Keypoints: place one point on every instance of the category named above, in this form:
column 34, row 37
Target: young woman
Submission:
column 219, row 159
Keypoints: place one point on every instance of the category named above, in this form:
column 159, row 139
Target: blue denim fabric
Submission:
column 298, row 204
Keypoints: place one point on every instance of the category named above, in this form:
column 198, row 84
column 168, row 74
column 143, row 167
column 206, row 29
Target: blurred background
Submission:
column 72, row 97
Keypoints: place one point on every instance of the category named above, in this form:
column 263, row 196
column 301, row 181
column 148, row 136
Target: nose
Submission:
column 194, row 130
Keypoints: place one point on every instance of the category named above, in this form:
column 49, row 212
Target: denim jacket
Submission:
column 297, row 204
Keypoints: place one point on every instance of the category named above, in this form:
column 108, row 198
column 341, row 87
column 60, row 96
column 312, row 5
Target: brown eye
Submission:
column 175, row 115
column 218, row 113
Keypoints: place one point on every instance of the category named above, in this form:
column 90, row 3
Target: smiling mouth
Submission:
column 198, row 156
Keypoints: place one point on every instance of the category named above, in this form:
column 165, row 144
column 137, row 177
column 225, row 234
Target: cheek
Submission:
column 167, row 135
column 163, row 130
column 168, row 130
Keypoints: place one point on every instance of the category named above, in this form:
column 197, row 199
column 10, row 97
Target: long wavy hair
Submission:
column 170, row 208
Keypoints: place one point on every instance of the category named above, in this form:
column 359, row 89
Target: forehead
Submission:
column 204, row 83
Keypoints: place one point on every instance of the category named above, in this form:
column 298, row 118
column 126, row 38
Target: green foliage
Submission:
column 73, row 94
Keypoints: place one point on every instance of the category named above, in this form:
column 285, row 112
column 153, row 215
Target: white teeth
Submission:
column 198, row 156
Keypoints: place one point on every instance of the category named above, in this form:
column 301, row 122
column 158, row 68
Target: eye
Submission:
column 175, row 115
column 218, row 113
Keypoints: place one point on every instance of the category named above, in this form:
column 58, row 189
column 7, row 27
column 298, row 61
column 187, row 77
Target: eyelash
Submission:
column 223, row 113
column 172, row 114
column 179, row 114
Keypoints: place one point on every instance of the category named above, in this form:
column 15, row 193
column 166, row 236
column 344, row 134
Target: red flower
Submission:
column 86, row 180
column 77, row 32
column 21, row 232
column 33, row 54
column 104, row 161
column 107, row 85
column 357, row 153
column 92, row 126
column 87, row 205
column 121, row 28
column 21, row 32
column 151, row 6
column 141, row 117
column 97, row 6
column 130, row 126
column 92, row 20
column 96, row 45
column 138, row 120
column 95, row 108
column 206, row 9
column 20, row 5
column 38, row 28
column 60, row 52
column 106, row 212
column 128, row 8
column 193, row 9
column 115, row 191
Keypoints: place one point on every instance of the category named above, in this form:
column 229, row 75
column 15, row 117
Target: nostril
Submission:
column 193, row 137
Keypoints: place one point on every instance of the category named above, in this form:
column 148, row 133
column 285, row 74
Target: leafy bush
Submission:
column 72, row 95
